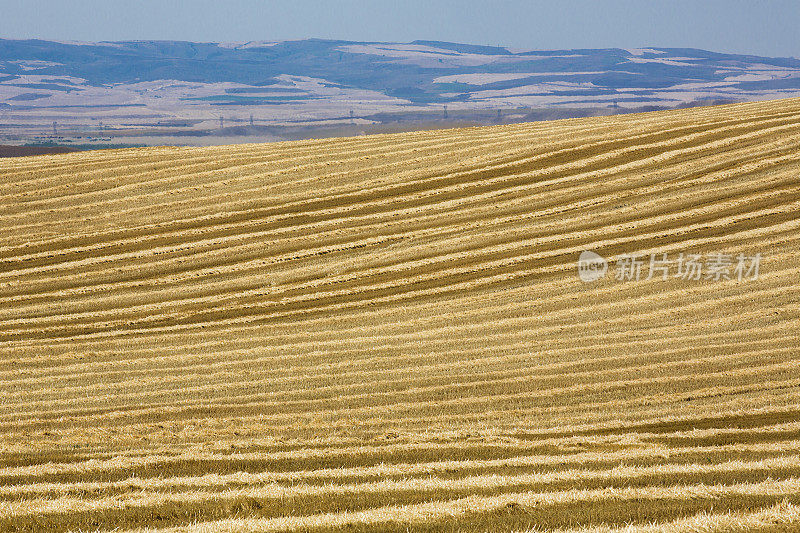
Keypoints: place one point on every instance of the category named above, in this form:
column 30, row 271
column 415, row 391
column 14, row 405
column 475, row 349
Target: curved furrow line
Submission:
column 422, row 489
column 411, row 334
column 194, row 157
column 182, row 331
column 217, row 201
column 206, row 352
column 360, row 367
column 439, row 278
column 406, row 263
column 410, row 233
column 376, row 465
column 435, row 178
column 553, row 130
column 396, row 399
column 729, row 362
column 178, row 173
column 553, row 467
column 459, row 510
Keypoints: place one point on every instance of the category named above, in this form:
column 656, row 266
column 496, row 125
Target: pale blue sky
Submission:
column 762, row 27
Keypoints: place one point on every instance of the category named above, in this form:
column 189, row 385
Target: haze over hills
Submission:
column 149, row 92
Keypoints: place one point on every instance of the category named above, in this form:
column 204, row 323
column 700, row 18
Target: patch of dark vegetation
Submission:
column 22, row 151
column 52, row 148
column 46, row 86
column 263, row 90
column 24, row 97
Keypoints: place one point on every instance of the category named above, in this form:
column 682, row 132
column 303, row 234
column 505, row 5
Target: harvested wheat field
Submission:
column 389, row 333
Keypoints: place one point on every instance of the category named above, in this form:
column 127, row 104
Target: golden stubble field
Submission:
column 388, row 333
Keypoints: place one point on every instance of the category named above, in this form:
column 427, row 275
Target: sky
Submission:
column 759, row 27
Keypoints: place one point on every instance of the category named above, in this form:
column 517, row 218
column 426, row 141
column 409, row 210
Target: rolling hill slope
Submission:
column 390, row 332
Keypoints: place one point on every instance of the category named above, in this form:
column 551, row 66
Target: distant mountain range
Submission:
column 199, row 87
